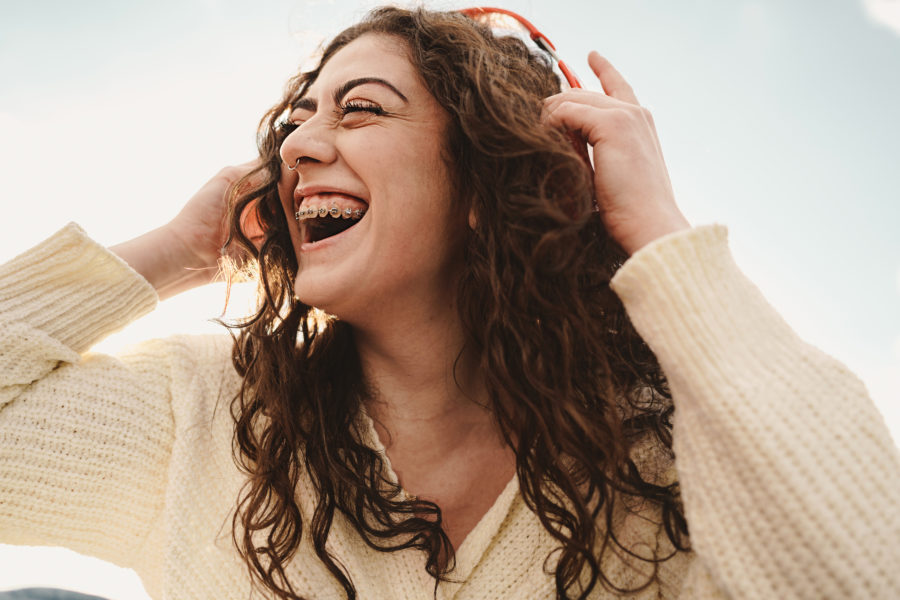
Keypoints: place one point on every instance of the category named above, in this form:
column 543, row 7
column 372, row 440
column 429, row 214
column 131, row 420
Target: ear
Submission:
column 473, row 221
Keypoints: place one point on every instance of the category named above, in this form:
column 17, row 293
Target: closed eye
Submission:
column 285, row 128
column 360, row 106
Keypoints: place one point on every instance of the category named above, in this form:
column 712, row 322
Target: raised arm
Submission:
column 85, row 439
column 790, row 478
column 185, row 252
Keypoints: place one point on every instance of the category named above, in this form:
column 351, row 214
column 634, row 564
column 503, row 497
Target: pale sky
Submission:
column 777, row 119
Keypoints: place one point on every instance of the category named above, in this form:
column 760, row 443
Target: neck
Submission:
column 429, row 407
column 426, row 386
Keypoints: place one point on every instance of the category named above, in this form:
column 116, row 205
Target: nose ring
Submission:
column 296, row 164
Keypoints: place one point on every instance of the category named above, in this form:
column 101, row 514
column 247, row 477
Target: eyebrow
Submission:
column 307, row 103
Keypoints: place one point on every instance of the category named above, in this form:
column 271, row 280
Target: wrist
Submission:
column 189, row 249
column 166, row 261
column 652, row 231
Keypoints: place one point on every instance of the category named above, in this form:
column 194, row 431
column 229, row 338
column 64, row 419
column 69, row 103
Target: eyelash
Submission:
column 286, row 127
column 360, row 106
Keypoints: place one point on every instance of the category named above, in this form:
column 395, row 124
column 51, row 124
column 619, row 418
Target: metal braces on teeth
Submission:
column 321, row 211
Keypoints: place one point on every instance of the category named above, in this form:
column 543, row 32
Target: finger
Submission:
column 254, row 169
column 246, row 175
column 599, row 124
column 584, row 119
column 598, row 100
column 612, row 81
column 581, row 96
column 593, row 100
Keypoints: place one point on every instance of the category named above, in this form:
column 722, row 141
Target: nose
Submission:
column 311, row 141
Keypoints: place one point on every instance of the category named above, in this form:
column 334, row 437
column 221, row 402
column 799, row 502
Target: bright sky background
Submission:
column 778, row 119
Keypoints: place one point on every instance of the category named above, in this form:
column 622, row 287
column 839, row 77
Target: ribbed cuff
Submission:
column 73, row 289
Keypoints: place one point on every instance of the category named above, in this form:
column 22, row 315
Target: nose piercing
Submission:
column 296, row 164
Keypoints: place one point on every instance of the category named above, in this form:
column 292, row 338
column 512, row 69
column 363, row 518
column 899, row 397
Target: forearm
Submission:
column 161, row 258
column 71, row 289
column 84, row 438
column 788, row 473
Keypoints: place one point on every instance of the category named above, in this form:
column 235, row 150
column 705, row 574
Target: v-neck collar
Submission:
column 476, row 543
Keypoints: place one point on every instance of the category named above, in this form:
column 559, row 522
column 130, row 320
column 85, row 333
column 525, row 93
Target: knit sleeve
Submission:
column 84, row 439
column 790, row 478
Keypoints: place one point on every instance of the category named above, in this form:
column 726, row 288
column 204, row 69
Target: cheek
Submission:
column 405, row 156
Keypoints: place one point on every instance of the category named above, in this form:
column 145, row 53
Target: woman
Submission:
column 468, row 411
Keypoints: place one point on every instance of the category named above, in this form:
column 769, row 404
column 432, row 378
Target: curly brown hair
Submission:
column 572, row 386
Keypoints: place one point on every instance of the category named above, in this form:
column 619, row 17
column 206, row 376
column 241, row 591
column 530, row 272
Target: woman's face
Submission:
column 369, row 137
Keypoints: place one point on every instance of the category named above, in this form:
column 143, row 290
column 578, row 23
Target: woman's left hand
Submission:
column 631, row 182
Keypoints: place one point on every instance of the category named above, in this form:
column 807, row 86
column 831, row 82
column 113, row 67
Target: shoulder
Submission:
column 185, row 355
column 199, row 368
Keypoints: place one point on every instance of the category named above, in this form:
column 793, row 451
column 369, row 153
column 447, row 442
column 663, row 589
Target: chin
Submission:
column 317, row 296
column 331, row 295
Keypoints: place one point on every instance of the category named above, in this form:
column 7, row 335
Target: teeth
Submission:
column 334, row 212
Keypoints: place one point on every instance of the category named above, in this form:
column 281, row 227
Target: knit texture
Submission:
column 791, row 481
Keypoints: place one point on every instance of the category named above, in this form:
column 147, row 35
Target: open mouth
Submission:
column 323, row 217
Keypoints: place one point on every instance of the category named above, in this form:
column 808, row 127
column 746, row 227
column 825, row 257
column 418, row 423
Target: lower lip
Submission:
column 307, row 247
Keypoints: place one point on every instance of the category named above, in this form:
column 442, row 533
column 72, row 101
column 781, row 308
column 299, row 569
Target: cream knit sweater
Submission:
column 790, row 479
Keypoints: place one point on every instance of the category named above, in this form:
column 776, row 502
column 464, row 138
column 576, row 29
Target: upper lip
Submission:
column 311, row 190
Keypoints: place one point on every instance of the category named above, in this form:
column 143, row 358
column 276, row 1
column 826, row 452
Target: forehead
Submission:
column 369, row 55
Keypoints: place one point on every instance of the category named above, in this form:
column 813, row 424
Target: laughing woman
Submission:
column 478, row 369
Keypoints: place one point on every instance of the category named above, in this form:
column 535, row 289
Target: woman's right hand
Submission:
column 201, row 226
column 185, row 252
